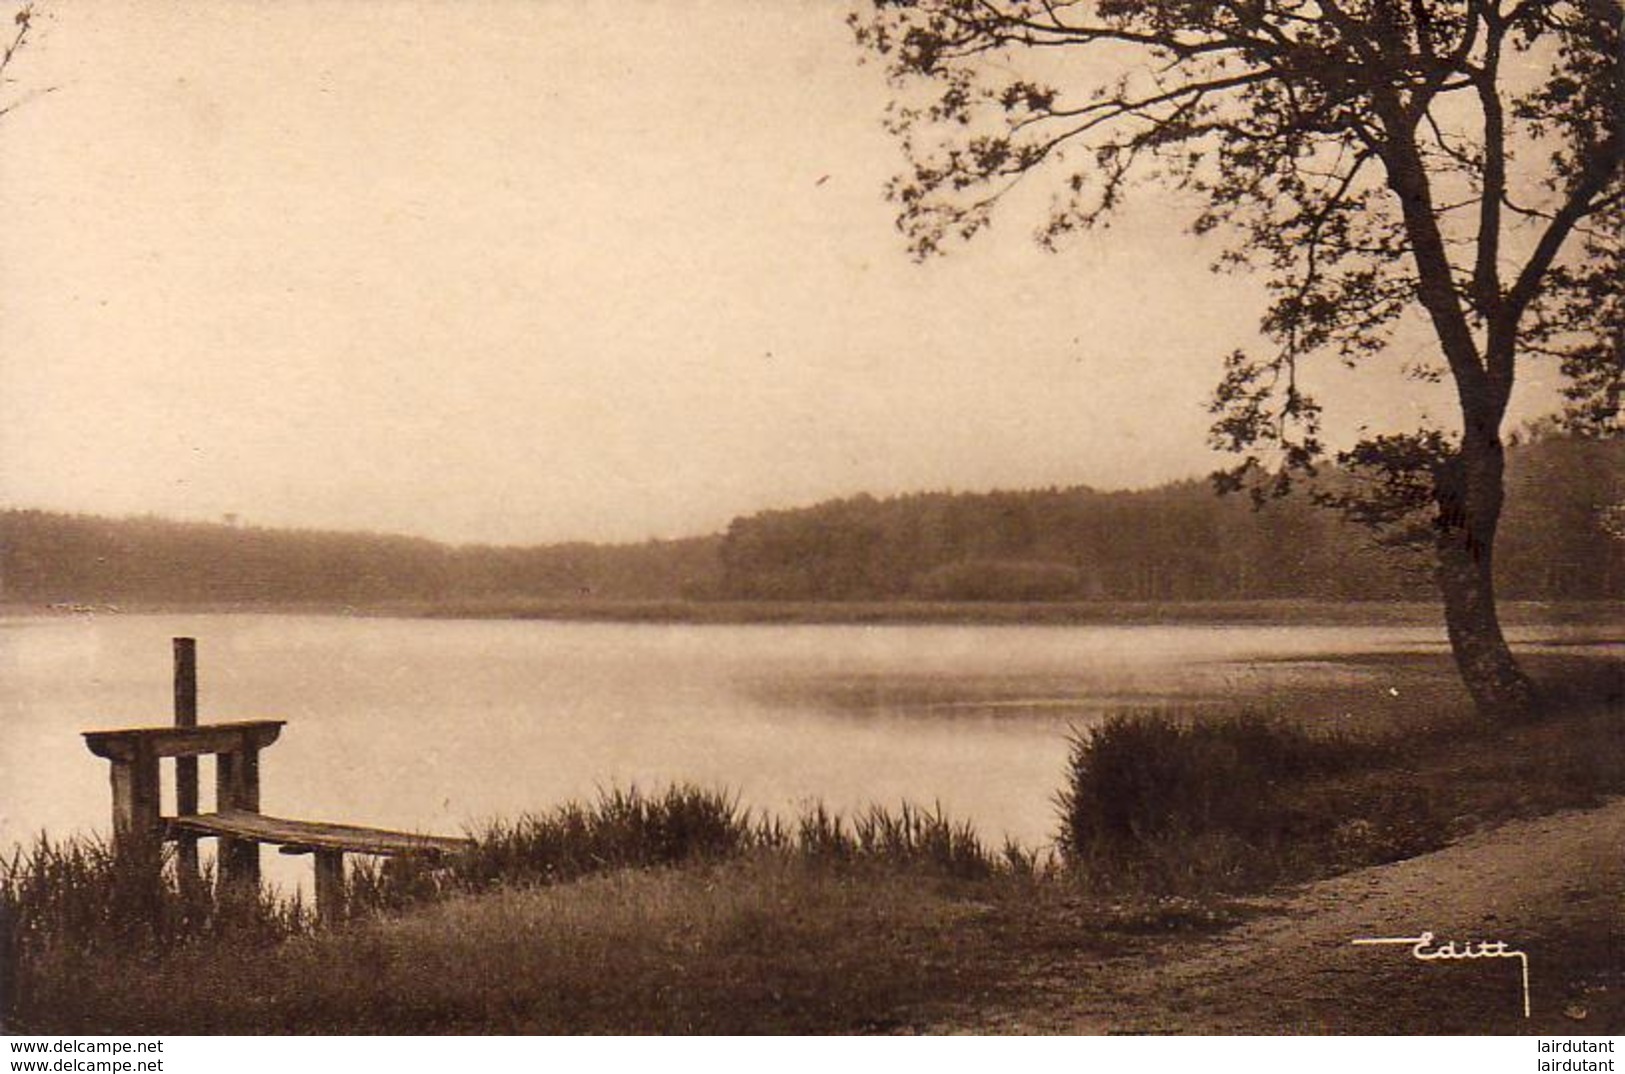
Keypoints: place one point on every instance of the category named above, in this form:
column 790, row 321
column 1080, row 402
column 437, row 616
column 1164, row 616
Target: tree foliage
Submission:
column 1176, row 542
column 1455, row 163
column 1369, row 156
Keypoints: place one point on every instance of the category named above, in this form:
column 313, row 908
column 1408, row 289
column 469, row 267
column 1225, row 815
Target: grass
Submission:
column 681, row 911
column 82, row 893
column 758, row 944
column 72, row 912
column 683, row 825
column 623, row 829
column 910, row 838
column 583, row 904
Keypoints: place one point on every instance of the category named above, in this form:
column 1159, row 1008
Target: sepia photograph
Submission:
column 821, row 518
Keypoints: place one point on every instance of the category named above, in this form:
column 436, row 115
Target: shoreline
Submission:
column 1281, row 612
column 912, row 922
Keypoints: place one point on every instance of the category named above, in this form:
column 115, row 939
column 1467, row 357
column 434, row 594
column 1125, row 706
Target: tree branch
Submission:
column 1486, row 286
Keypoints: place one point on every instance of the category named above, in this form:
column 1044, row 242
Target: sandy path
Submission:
column 1553, row 887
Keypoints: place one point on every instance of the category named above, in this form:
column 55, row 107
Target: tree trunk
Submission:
column 1469, row 492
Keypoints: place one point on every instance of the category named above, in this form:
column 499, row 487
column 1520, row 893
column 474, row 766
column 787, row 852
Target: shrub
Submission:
column 1173, row 802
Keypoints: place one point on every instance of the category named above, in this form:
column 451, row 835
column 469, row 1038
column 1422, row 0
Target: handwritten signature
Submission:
column 1425, row 950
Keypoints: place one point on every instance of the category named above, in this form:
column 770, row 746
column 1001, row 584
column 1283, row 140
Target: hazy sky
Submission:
column 539, row 271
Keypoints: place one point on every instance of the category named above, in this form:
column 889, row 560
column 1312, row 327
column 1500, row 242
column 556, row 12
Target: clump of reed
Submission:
column 623, row 829
column 1159, row 802
column 910, row 836
column 683, row 825
column 70, row 908
column 1171, row 801
column 129, row 898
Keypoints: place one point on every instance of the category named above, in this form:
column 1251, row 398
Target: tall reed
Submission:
column 1153, row 799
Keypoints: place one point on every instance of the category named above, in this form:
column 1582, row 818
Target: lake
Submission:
column 433, row 725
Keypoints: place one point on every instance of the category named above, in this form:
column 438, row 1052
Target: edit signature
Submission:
column 1423, row 949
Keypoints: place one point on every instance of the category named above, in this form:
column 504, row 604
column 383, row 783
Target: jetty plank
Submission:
column 307, row 836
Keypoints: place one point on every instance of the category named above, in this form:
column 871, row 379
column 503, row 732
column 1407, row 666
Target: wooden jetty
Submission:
column 135, row 755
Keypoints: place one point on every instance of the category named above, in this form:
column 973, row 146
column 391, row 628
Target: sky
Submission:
column 529, row 272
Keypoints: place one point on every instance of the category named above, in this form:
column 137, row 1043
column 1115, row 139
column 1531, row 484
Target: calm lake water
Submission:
column 432, row 725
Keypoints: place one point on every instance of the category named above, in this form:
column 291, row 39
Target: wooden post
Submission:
column 237, row 786
column 137, row 821
column 135, row 799
column 186, row 781
column 330, row 886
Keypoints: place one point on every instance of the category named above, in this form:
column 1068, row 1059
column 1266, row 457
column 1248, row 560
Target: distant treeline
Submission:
column 57, row 558
column 1175, row 542
column 1563, row 538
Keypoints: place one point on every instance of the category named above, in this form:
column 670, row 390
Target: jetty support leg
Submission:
column 186, row 781
column 137, row 823
column 135, row 801
column 237, row 786
column 330, row 886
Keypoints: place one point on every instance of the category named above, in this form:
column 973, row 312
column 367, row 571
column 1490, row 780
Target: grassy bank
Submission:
column 676, row 911
column 682, row 911
column 754, row 945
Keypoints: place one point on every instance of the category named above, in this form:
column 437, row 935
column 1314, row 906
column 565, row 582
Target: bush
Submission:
column 1170, row 802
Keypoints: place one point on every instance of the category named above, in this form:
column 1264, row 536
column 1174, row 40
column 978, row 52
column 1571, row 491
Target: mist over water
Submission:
column 434, row 725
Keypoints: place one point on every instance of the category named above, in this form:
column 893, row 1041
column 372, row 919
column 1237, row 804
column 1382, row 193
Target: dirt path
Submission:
column 1553, row 887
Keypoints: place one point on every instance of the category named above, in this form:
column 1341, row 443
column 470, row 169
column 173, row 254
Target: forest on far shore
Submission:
column 1562, row 538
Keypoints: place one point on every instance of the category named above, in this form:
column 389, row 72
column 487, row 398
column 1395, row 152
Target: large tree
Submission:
column 1445, row 166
